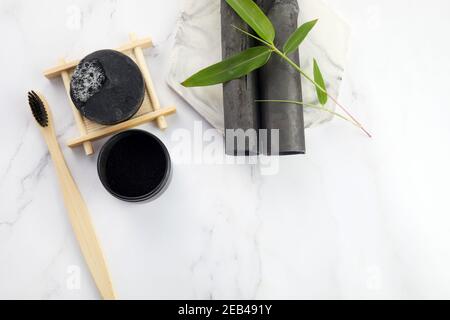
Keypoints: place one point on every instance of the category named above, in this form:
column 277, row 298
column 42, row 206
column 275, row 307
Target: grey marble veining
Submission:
column 374, row 220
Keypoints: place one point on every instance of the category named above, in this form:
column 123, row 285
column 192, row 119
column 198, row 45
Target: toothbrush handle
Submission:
column 81, row 222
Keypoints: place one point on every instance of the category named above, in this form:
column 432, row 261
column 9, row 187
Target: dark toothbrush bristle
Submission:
column 38, row 109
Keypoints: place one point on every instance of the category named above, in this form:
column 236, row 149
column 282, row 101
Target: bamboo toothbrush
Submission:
column 78, row 212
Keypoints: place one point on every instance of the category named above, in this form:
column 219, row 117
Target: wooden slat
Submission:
column 56, row 71
column 150, row 87
column 106, row 131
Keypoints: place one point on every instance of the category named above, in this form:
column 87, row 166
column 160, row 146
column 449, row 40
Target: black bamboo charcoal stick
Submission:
column 240, row 107
column 280, row 81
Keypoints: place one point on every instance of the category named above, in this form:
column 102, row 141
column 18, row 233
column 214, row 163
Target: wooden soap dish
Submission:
column 150, row 110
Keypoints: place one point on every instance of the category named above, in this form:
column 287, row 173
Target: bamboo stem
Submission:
column 293, row 64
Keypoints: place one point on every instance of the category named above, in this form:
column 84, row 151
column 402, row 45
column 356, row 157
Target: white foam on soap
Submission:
column 87, row 80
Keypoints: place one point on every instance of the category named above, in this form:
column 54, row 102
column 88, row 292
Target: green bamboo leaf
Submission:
column 296, row 39
column 255, row 18
column 232, row 68
column 318, row 78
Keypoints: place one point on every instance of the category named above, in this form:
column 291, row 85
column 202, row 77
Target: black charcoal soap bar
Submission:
column 280, row 81
column 107, row 87
column 240, row 108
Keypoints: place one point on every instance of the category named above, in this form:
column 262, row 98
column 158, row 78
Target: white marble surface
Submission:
column 198, row 37
column 354, row 218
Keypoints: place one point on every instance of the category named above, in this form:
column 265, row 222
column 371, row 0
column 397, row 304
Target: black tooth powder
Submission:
column 134, row 166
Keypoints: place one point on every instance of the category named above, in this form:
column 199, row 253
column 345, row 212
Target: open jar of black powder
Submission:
column 135, row 166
